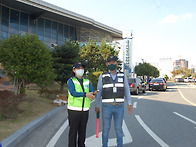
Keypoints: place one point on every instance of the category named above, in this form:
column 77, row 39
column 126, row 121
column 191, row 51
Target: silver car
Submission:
column 136, row 85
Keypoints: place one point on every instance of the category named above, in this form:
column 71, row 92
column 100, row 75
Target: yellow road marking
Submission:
column 185, row 97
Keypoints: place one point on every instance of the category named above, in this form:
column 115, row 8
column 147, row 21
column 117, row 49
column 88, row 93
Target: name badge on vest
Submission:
column 114, row 89
column 120, row 79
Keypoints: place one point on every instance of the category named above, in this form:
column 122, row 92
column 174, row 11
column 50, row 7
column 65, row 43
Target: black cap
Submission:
column 112, row 58
column 77, row 65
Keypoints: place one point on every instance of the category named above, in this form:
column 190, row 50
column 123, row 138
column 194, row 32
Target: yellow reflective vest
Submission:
column 79, row 103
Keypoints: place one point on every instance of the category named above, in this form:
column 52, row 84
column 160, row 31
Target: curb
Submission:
column 19, row 135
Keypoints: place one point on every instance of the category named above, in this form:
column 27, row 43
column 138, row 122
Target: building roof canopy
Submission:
column 39, row 8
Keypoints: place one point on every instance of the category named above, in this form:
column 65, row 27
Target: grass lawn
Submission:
column 33, row 106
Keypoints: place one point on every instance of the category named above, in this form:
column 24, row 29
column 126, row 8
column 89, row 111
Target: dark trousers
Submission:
column 77, row 123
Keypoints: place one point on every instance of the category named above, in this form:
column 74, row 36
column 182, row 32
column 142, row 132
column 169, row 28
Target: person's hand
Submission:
column 97, row 110
column 129, row 109
column 90, row 95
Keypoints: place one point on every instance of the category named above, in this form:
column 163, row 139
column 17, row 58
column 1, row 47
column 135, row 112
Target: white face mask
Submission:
column 80, row 72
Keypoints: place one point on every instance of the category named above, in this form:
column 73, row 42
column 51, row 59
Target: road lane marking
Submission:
column 93, row 141
column 190, row 120
column 150, row 132
column 185, row 97
column 140, row 97
column 135, row 105
column 57, row 135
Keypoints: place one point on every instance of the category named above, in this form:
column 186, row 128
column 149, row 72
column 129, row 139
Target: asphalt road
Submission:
column 166, row 119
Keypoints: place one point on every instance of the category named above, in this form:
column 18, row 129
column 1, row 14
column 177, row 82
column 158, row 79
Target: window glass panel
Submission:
column 66, row 32
column 60, row 42
column 72, row 33
column 13, row 31
column 5, row 19
column 54, row 30
column 32, row 25
column 47, row 28
column 41, row 38
column 53, row 41
column 23, row 22
column 75, row 34
column 40, row 29
column 60, row 32
column 14, row 19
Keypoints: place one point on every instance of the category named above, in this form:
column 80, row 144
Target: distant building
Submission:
column 180, row 64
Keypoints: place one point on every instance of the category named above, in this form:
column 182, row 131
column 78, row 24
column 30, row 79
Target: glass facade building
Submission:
column 53, row 25
column 48, row 31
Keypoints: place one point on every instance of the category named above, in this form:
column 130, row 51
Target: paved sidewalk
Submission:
column 39, row 132
column 42, row 135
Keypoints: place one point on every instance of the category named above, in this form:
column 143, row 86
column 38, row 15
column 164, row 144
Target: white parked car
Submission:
column 188, row 80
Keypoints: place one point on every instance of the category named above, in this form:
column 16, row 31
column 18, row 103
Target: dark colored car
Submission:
column 136, row 85
column 179, row 80
column 158, row 84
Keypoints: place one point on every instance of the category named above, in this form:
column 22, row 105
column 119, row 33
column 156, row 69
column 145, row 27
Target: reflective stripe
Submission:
column 108, row 75
column 112, row 100
column 107, row 100
column 107, row 85
column 76, row 82
column 120, row 74
column 86, row 83
column 105, row 75
column 119, row 100
column 119, row 85
column 112, row 85
column 77, row 108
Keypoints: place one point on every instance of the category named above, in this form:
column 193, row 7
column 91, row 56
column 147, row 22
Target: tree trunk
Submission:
column 16, row 87
column 22, row 87
column 62, row 87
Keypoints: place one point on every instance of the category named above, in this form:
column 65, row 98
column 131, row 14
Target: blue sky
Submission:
column 161, row 28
